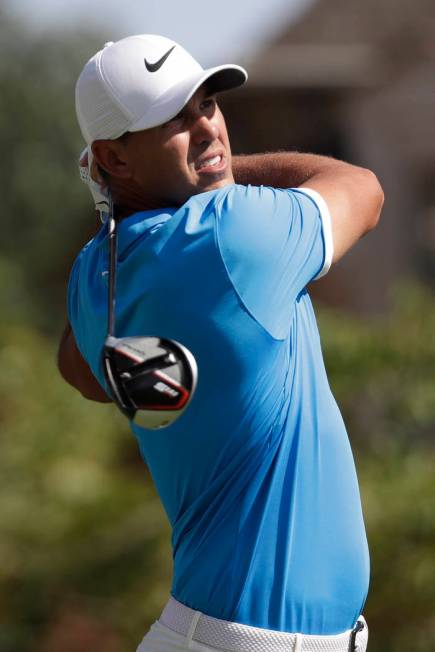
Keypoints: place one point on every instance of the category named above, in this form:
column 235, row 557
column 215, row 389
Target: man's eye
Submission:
column 208, row 103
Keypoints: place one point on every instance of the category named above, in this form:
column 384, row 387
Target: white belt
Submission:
column 235, row 637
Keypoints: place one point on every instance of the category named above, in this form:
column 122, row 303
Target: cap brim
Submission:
column 220, row 78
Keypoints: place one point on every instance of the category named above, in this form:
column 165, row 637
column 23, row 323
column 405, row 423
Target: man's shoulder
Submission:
column 233, row 192
column 257, row 200
column 231, row 203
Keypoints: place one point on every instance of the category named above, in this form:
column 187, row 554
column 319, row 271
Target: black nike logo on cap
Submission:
column 154, row 67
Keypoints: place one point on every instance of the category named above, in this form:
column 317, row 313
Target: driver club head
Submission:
column 152, row 379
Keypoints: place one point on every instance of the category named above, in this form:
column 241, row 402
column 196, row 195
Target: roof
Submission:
column 348, row 44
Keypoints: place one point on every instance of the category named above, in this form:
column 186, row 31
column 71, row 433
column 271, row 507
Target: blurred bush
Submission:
column 383, row 370
column 382, row 374
column 45, row 210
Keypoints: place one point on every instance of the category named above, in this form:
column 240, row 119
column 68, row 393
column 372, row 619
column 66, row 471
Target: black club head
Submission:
column 152, row 379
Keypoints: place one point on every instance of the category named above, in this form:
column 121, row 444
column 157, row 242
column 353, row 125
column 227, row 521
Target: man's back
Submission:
column 257, row 477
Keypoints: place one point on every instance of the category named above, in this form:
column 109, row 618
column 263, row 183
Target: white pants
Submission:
column 221, row 635
column 163, row 639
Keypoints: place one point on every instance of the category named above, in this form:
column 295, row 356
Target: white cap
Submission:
column 140, row 82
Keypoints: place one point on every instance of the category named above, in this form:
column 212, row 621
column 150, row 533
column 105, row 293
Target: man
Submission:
column 257, row 476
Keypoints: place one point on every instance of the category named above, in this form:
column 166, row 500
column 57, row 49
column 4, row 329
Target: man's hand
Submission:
column 353, row 194
column 90, row 174
column 75, row 370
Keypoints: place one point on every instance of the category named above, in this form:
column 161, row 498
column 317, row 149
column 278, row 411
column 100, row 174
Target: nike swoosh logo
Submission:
column 154, row 67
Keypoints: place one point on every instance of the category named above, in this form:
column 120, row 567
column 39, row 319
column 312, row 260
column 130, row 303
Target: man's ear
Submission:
column 110, row 155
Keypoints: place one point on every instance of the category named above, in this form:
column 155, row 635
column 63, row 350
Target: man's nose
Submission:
column 203, row 130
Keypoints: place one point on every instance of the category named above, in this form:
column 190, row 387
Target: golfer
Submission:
column 257, row 476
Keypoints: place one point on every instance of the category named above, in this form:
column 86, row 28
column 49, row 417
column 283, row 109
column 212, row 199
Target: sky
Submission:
column 215, row 31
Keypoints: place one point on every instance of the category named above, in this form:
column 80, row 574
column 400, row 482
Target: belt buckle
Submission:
column 359, row 626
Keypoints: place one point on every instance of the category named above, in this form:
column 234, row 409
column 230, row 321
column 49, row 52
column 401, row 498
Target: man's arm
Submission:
column 75, row 370
column 353, row 194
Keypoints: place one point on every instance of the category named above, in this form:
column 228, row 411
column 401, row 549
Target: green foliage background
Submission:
column 84, row 545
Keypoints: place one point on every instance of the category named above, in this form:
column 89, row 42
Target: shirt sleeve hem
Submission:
column 326, row 229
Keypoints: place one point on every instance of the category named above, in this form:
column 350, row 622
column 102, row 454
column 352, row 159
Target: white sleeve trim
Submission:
column 326, row 228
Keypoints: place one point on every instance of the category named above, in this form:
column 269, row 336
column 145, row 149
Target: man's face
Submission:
column 188, row 155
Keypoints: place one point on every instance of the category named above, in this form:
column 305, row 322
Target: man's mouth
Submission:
column 214, row 163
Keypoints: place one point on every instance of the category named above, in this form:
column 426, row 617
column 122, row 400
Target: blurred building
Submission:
column 356, row 81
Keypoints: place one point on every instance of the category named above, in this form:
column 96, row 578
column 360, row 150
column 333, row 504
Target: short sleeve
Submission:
column 273, row 242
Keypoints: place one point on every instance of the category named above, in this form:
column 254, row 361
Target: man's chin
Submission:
column 203, row 185
column 216, row 186
column 206, row 185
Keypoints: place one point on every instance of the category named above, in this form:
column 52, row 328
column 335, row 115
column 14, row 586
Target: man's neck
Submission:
column 129, row 201
column 122, row 211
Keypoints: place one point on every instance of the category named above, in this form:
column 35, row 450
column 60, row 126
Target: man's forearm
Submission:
column 281, row 169
column 76, row 371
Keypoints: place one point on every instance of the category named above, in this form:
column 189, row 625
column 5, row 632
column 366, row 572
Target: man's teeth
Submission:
column 211, row 162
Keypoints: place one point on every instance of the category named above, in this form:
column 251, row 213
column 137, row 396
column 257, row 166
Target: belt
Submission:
column 235, row 637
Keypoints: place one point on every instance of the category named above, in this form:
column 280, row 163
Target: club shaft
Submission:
column 113, row 246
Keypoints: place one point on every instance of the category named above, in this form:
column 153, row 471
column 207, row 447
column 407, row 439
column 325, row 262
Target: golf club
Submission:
column 152, row 379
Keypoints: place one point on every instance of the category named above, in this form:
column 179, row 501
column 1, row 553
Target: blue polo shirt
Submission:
column 257, row 476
